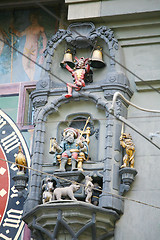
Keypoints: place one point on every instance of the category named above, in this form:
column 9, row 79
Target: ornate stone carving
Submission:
column 82, row 35
column 55, row 41
column 39, row 101
column 36, row 112
column 116, row 81
column 47, row 189
column 88, row 188
column 43, row 83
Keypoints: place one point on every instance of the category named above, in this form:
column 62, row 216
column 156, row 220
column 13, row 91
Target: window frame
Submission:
column 21, row 89
column 24, row 90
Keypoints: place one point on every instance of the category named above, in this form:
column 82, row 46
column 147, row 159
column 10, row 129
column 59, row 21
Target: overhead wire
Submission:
column 128, row 70
column 58, row 18
column 34, row 61
column 105, row 119
column 95, row 119
column 83, row 185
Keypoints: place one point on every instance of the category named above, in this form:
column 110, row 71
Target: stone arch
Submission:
column 37, row 158
column 55, row 104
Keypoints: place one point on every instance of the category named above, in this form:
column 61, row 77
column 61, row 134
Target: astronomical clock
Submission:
column 11, row 203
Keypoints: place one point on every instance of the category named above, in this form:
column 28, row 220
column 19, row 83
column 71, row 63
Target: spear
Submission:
column 122, row 130
column 84, row 127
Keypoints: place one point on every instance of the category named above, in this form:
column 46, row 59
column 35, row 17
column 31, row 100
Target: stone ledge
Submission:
column 111, row 9
column 72, row 216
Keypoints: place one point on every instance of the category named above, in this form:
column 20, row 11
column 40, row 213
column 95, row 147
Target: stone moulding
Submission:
column 77, row 218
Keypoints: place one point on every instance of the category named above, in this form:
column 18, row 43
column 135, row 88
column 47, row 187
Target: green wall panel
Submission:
column 10, row 106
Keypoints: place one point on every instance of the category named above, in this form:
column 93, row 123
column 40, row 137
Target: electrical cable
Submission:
column 65, row 83
column 20, row 3
column 32, row 61
column 83, row 185
column 55, row 16
column 128, row 70
column 116, row 94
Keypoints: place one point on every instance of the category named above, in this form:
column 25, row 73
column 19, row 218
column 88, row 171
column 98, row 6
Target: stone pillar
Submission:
column 109, row 198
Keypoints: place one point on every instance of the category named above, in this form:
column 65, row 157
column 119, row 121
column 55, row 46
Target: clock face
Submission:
column 11, row 205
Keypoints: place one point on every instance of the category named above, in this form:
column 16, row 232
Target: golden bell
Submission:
column 67, row 59
column 97, row 61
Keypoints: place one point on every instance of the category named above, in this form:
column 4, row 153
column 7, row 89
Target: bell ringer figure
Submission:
column 81, row 70
column 82, row 67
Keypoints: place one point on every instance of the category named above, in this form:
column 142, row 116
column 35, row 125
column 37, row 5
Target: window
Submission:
column 25, row 108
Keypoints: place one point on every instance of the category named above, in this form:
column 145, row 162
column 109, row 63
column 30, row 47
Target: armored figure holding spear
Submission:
column 127, row 143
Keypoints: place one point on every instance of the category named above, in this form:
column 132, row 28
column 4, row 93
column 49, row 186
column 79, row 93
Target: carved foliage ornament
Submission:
column 82, row 35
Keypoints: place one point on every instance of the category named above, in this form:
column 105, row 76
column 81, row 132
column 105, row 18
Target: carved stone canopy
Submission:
column 82, row 35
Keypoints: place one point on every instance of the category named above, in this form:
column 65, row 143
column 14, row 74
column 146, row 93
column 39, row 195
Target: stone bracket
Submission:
column 65, row 214
column 127, row 176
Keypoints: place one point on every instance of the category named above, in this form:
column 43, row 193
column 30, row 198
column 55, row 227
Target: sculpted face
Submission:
column 88, row 178
column 50, row 185
column 80, row 63
column 69, row 137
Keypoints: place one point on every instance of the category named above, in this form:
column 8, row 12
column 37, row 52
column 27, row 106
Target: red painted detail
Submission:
column 4, row 184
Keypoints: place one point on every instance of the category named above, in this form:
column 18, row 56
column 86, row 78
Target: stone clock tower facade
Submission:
column 79, row 104
column 55, row 112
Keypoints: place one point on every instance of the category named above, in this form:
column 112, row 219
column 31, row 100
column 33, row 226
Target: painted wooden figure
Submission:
column 79, row 73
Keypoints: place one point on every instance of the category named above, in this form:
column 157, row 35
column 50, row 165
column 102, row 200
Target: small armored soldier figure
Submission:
column 126, row 142
column 47, row 189
column 88, row 189
column 97, row 190
column 79, row 73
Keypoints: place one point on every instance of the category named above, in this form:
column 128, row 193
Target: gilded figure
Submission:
column 127, row 143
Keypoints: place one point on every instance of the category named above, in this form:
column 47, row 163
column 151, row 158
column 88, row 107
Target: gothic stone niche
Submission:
column 36, row 218
column 78, row 121
column 75, row 217
column 75, row 165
